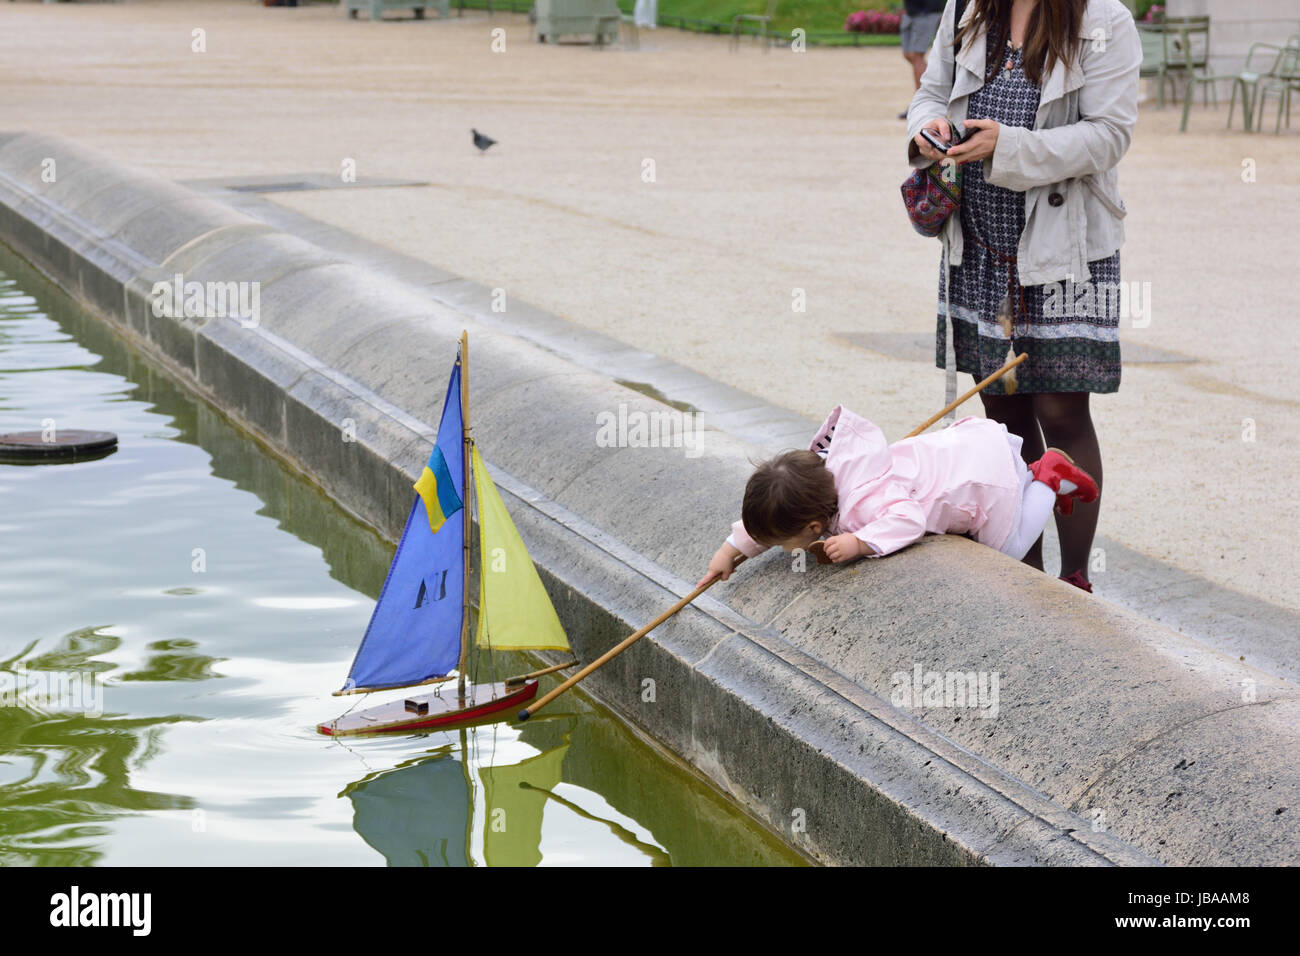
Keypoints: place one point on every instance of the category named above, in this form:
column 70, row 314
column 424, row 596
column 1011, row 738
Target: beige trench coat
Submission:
column 1066, row 164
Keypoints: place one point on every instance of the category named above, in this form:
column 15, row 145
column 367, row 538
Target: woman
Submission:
column 1047, row 93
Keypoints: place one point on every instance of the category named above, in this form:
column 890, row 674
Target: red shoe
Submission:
column 1056, row 465
column 1076, row 578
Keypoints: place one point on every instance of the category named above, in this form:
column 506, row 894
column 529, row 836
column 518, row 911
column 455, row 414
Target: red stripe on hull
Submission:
column 465, row 716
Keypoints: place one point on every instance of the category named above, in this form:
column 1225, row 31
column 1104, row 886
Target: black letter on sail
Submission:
column 424, row 591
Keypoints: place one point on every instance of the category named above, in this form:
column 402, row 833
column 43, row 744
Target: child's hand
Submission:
column 722, row 564
column 844, row 547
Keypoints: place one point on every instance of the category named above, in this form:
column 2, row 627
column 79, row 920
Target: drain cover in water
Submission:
column 69, row 444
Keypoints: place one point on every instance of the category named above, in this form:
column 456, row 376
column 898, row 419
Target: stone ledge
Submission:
column 780, row 698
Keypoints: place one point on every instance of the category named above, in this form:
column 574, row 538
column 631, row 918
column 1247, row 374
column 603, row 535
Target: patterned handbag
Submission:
column 931, row 195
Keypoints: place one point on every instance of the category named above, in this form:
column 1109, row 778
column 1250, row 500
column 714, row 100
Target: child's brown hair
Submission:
column 785, row 493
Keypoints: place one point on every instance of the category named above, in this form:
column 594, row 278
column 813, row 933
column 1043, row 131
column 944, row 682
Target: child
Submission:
column 874, row 498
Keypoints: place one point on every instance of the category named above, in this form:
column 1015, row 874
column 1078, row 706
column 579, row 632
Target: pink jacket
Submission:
column 961, row 479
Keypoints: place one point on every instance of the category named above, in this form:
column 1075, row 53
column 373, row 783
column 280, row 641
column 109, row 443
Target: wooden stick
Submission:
column 548, row 670
column 980, row 387
column 713, row 578
column 624, row 644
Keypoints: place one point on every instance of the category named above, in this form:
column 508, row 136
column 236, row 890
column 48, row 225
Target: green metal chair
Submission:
column 764, row 20
column 1254, row 71
column 1153, row 57
column 1283, row 82
column 1187, row 45
column 1194, row 43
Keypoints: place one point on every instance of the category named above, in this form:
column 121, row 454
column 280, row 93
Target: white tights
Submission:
column 1036, row 504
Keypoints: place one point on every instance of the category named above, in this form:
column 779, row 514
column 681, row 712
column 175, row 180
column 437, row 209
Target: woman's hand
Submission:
column 979, row 145
column 844, row 547
column 939, row 126
column 722, row 563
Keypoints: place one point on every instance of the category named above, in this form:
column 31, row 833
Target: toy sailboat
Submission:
column 419, row 632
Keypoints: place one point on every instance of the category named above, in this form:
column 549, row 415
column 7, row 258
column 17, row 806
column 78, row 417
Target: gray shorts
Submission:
column 918, row 31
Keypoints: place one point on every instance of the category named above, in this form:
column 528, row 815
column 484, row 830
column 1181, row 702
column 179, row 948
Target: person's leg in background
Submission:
column 1017, row 413
column 917, row 59
column 1066, row 421
column 918, row 67
column 916, row 33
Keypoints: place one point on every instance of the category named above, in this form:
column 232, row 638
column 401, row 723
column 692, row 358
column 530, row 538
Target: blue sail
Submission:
column 418, row 815
column 414, row 633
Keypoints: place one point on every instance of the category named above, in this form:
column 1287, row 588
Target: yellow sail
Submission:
column 515, row 798
column 515, row 612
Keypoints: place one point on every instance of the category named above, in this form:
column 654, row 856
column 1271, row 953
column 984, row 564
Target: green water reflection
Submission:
column 207, row 599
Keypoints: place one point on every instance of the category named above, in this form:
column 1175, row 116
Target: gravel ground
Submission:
column 773, row 173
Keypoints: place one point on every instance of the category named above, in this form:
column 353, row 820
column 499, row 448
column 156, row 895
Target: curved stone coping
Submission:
column 1115, row 740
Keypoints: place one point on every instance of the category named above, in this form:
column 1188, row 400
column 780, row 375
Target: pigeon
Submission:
column 481, row 141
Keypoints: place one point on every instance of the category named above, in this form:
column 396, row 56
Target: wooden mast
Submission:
column 469, row 790
column 465, row 485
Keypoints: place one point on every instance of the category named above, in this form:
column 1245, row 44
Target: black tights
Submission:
column 1065, row 423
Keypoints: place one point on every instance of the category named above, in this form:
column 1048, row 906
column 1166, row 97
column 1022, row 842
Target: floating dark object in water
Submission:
column 55, row 446
column 481, row 141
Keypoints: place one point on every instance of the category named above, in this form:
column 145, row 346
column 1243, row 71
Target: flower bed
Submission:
column 872, row 21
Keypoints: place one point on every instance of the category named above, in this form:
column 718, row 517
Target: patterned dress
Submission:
column 1075, row 346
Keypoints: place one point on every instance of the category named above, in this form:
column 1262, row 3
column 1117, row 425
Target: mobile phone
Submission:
column 942, row 145
column 933, row 138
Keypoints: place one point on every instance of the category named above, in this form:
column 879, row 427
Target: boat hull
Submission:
column 445, row 710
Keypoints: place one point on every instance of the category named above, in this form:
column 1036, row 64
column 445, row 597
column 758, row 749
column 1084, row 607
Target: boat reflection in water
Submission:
column 463, row 804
